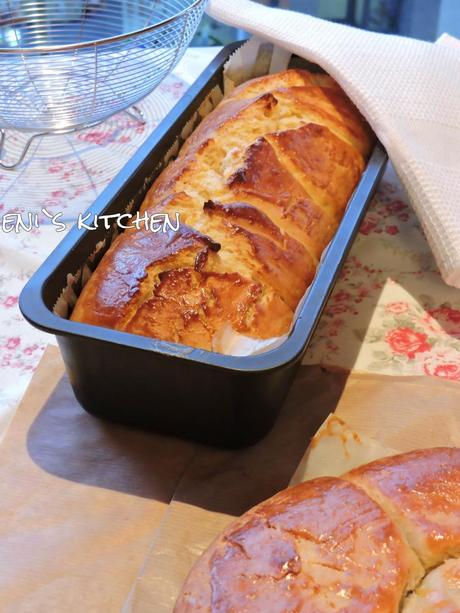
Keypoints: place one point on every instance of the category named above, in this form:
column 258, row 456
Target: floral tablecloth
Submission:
column 390, row 312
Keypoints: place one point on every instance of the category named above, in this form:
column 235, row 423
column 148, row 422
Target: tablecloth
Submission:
column 390, row 312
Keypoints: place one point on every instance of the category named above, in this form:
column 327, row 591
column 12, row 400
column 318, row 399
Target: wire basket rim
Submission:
column 100, row 41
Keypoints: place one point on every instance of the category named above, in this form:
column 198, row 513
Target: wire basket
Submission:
column 69, row 64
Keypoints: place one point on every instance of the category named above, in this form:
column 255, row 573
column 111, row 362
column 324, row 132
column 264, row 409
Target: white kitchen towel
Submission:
column 408, row 90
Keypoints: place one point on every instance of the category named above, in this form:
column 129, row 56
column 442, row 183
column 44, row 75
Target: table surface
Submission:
column 390, row 312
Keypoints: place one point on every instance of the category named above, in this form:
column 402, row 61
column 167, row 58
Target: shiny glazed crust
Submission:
column 350, row 544
column 260, row 187
column 439, row 592
column 421, row 492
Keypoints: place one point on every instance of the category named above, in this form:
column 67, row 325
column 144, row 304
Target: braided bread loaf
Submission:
column 260, row 187
column 356, row 544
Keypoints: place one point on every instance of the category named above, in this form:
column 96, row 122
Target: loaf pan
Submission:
column 222, row 400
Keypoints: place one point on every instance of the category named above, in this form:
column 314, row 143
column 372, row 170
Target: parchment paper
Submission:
column 400, row 414
column 80, row 501
column 84, row 519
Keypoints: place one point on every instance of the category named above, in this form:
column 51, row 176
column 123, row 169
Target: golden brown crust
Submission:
column 273, row 258
column 326, row 166
column 421, row 492
column 319, row 98
column 261, row 85
column 324, row 546
column 260, row 187
column 263, row 181
column 188, row 307
column 122, row 280
column 321, row 546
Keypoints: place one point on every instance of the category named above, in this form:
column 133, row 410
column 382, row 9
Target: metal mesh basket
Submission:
column 68, row 64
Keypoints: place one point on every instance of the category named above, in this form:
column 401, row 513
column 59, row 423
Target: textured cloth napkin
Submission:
column 408, row 90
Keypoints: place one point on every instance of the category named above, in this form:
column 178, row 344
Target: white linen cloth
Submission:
column 408, row 90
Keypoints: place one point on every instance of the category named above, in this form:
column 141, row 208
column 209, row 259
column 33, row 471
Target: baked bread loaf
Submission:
column 260, row 187
column 439, row 592
column 359, row 543
column 420, row 491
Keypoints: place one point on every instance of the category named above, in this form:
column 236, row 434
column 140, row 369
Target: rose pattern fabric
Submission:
column 407, row 341
column 63, row 175
column 390, row 312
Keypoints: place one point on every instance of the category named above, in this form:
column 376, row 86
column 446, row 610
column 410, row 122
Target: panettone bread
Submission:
column 337, row 544
column 260, row 187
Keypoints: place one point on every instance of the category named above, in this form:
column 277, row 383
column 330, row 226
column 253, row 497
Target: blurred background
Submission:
column 423, row 19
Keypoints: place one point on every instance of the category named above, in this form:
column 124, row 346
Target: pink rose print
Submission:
column 336, row 309
column 12, row 343
column 10, row 301
column 406, row 341
column 397, row 307
column 341, row 296
column 30, row 350
column 396, row 206
column 55, row 166
column 337, row 304
column 443, row 318
column 446, row 313
column 331, row 346
column 367, row 227
column 51, row 202
column 335, row 325
column 96, row 136
column 392, row 230
column 440, row 366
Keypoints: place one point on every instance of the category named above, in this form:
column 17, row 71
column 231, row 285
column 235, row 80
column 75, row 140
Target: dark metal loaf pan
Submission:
column 222, row 400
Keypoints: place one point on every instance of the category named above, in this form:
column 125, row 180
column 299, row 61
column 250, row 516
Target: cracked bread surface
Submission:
column 260, row 187
column 323, row 545
column 420, row 490
column 337, row 544
column 439, row 592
